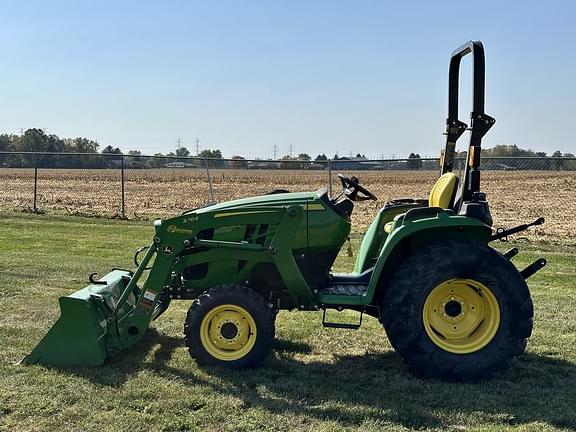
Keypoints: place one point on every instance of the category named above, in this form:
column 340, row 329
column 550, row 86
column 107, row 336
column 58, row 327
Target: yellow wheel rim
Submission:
column 228, row 332
column 461, row 315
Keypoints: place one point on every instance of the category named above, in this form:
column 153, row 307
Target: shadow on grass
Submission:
column 351, row 390
column 378, row 388
column 120, row 368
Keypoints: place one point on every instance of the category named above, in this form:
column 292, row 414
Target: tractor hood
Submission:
column 262, row 200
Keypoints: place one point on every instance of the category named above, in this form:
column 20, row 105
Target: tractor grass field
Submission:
column 316, row 379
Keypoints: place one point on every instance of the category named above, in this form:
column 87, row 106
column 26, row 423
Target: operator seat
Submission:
column 442, row 194
column 444, row 191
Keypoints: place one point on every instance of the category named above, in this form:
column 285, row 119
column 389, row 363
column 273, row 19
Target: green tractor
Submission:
column 452, row 306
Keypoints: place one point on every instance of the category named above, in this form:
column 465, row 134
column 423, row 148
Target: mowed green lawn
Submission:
column 316, row 379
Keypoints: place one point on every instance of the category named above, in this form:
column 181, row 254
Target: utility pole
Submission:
column 178, row 144
column 275, row 152
column 197, row 141
column 21, row 131
column 291, row 150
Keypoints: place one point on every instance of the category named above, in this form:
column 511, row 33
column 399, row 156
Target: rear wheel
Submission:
column 457, row 310
column 229, row 325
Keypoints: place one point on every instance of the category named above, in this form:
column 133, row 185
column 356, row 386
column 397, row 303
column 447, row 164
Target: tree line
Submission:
column 91, row 156
column 37, row 140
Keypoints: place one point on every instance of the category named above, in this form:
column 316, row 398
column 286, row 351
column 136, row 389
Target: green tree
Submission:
column 557, row 163
column 81, row 145
column 321, row 157
column 287, row 162
column 304, row 157
column 507, row 150
column 212, row 156
column 182, row 152
column 5, row 146
column 111, row 150
column 135, row 162
column 36, row 140
column 156, row 161
column 238, row 162
column 570, row 164
column 111, row 162
column 414, row 161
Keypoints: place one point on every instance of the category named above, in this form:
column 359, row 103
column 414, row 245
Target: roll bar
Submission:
column 480, row 121
column 478, row 77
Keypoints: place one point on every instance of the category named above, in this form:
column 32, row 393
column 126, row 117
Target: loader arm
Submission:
column 172, row 243
column 113, row 313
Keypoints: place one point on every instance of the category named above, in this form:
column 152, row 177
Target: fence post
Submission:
column 35, row 207
column 329, row 177
column 122, row 202
column 209, row 181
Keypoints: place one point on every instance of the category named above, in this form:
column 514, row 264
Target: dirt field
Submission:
column 515, row 197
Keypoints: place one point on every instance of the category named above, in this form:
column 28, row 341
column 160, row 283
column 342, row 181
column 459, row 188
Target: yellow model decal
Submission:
column 241, row 213
column 316, row 207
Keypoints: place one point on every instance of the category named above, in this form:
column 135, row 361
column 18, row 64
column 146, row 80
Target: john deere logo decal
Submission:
column 167, row 250
column 173, row 229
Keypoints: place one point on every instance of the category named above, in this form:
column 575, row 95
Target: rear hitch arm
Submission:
column 537, row 265
column 502, row 234
column 511, row 253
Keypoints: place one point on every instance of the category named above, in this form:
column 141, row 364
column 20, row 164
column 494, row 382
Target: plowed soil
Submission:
column 515, row 196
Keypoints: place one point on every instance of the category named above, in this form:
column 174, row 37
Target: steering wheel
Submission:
column 351, row 186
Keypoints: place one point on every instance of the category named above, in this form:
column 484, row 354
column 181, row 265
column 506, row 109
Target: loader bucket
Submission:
column 82, row 335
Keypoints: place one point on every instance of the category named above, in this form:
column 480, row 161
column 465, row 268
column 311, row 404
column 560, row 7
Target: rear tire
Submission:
column 457, row 310
column 229, row 325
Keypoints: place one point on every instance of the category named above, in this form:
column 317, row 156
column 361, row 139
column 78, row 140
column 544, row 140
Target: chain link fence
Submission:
column 146, row 187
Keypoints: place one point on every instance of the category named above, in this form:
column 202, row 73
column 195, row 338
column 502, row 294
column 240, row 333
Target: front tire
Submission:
column 457, row 310
column 229, row 325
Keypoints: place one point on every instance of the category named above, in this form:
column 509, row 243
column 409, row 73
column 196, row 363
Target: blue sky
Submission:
column 320, row 76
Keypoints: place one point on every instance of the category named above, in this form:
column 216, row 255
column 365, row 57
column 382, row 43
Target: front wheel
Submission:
column 457, row 310
column 229, row 325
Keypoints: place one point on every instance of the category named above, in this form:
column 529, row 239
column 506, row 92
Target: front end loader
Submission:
column 452, row 306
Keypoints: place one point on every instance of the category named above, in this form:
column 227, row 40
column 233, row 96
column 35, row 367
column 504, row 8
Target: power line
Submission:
column 275, row 152
column 291, row 150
